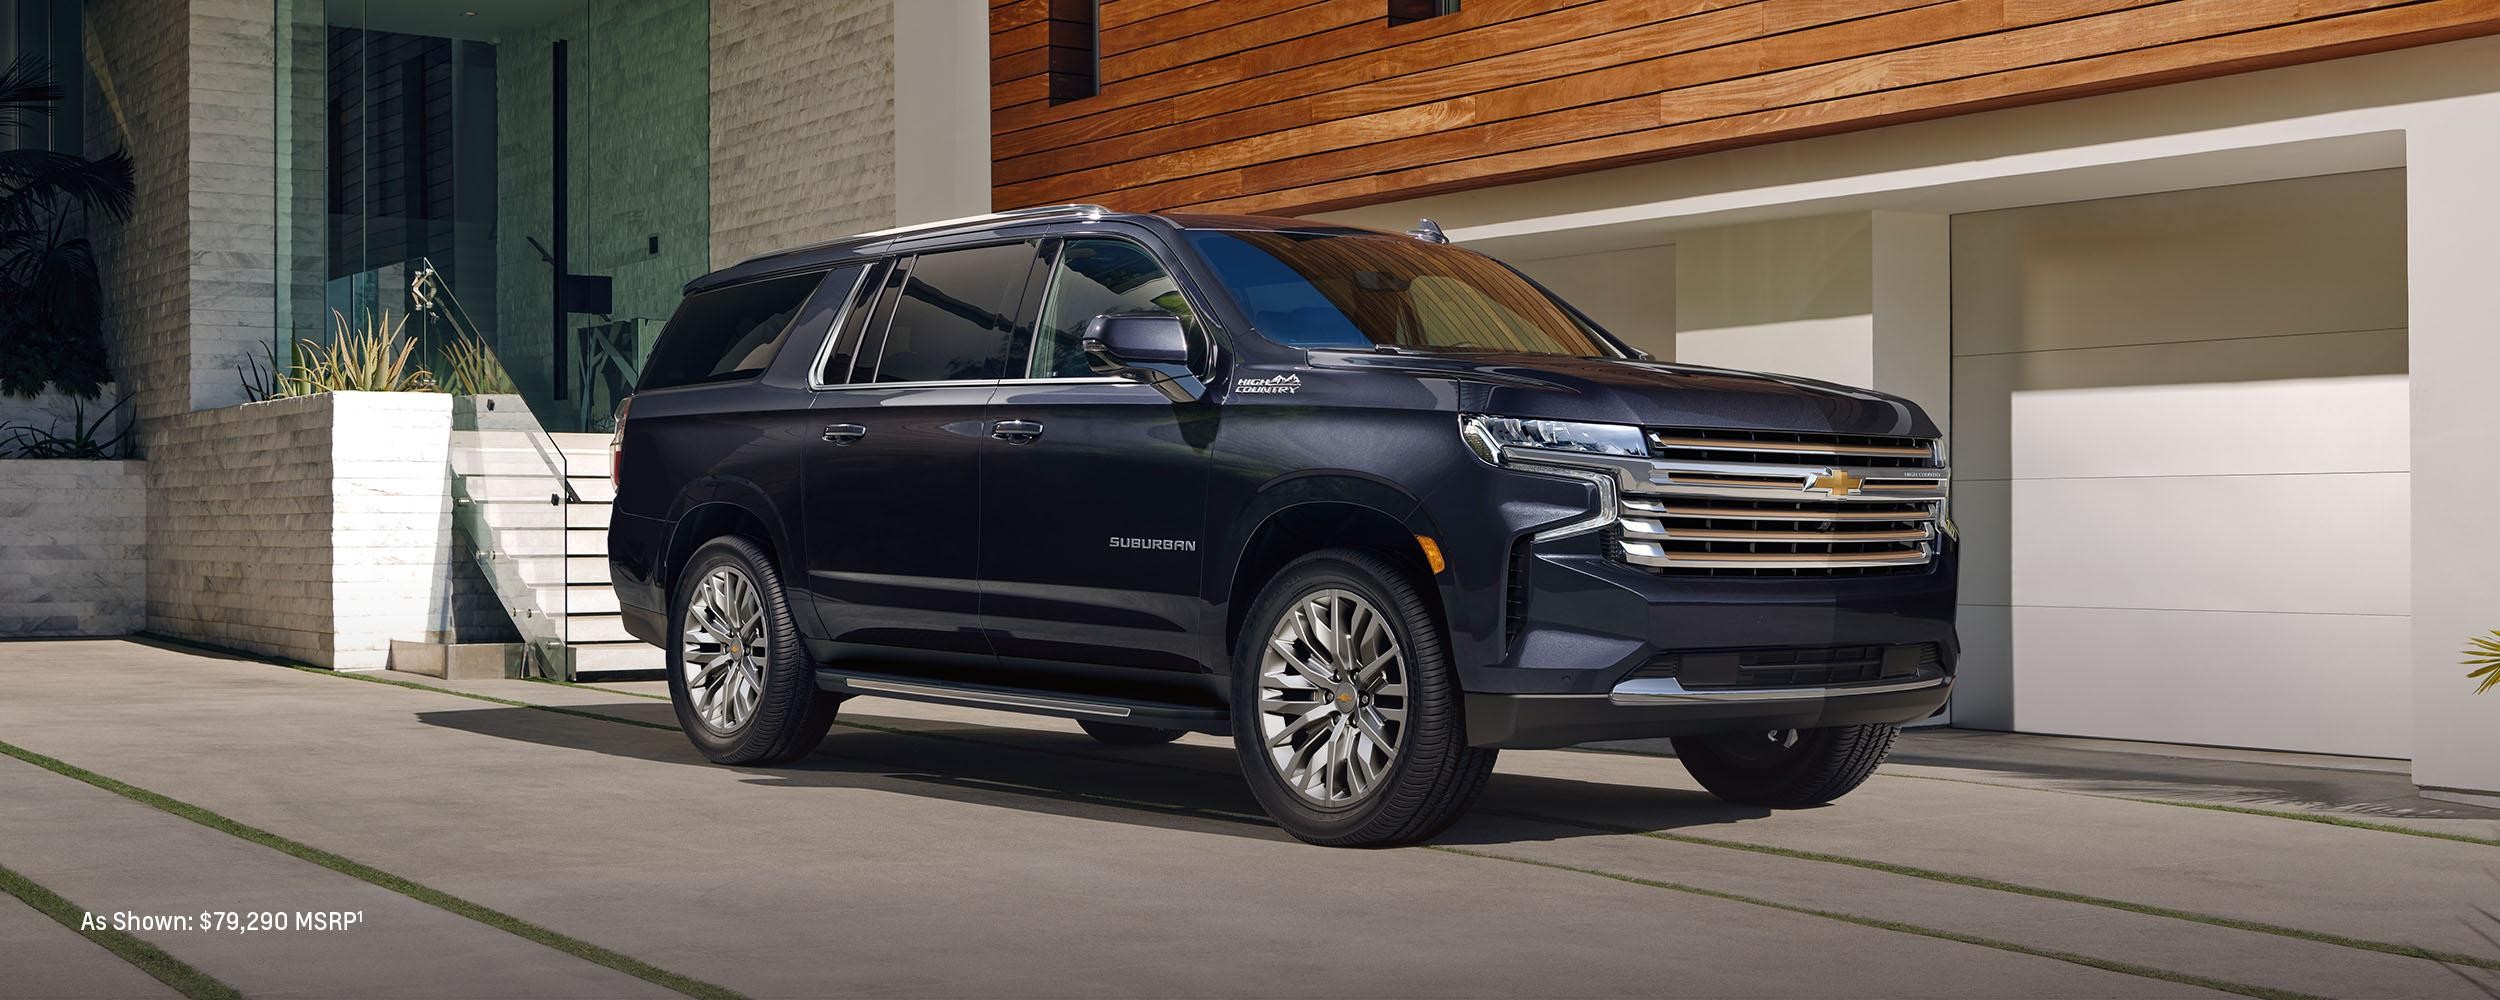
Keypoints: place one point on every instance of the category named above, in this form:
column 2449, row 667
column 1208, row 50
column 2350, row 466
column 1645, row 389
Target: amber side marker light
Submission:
column 1432, row 554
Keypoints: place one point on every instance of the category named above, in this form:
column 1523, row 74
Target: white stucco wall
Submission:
column 2433, row 110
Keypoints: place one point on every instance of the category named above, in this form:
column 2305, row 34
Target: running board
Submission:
column 1157, row 715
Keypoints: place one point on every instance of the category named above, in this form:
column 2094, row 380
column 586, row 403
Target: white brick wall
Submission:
column 802, row 122
column 72, row 560
column 316, row 529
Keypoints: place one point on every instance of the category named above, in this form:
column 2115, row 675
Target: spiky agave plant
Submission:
column 51, row 293
column 474, row 370
column 367, row 357
column 2483, row 654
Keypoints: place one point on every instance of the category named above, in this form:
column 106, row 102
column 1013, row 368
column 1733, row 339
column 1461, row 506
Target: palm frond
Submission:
column 2483, row 654
column 31, row 178
column 27, row 92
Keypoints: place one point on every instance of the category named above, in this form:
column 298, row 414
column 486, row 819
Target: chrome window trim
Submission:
column 1667, row 690
column 816, row 369
column 1180, row 283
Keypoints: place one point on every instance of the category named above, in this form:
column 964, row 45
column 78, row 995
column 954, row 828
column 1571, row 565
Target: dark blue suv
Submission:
column 1373, row 505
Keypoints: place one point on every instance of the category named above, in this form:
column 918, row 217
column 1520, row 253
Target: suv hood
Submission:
column 1647, row 393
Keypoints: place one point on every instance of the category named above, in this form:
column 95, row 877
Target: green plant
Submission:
column 474, row 370
column 85, row 439
column 51, row 293
column 2483, row 654
column 367, row 358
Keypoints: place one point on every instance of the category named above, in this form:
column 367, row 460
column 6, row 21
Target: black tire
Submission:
column 1433, row 776
column 1763, row 769
column 1120, row 735
column 791, row 714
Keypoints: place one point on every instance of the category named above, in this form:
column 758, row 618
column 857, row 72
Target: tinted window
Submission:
column 726, row 333
column 1333, row 290
column 955, row 316
column 1095, row 277
column 845, row 349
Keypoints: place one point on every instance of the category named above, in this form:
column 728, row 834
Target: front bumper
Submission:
column 1598, row 650
column 1650, row 709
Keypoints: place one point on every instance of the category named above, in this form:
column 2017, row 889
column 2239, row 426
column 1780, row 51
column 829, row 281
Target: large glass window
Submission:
column 547, row 161
column 1094, row 277
column 1338, row 290
column 956, row 315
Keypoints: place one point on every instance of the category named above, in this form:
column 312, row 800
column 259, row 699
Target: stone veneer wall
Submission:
column 72, row 560
column 187, row 89
column 802, row 122
column 315, row 528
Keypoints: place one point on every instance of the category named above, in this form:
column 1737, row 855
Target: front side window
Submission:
column 726, row 333
column 1094, row 277
column 955, row 316
column 1365, row 290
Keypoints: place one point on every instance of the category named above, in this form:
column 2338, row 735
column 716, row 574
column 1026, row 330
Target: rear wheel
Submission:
column 744, row 691
column 1120, row 735
column 1786, row 768
column 1346, row 713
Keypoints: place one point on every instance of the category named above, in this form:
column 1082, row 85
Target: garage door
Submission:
column 2179, row 433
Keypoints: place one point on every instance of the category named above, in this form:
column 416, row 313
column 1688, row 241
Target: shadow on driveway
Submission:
column 1175, row 786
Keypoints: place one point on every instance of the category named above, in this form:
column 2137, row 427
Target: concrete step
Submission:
column 580, row 629
column 593, row 489
column 586, row 599
column 586, row 569
column 507, row 489
column 468, row 461
column 505, row 517
column 586, row 515
column 587, row 541
column 617, row 657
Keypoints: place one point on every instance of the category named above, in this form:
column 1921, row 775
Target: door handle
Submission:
column 1017, row 431
column 845, row 433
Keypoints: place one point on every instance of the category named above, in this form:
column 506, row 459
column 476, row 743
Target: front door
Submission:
column 894, row 483
column 1092, row 523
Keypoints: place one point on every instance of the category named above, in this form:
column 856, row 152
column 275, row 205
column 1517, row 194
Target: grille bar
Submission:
column 1715, row 501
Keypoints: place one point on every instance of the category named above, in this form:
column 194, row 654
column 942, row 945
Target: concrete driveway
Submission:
column 522, row 839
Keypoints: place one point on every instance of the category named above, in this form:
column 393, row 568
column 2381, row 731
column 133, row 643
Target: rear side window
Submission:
column 955, row 319
column 727, row 333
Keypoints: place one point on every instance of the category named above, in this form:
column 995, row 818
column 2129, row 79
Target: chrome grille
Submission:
column 1770, row 502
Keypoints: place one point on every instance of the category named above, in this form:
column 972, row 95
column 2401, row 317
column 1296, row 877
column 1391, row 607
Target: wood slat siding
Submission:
column 1293, row 106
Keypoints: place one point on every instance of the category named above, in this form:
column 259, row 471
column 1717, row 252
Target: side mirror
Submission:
column 1149, row 347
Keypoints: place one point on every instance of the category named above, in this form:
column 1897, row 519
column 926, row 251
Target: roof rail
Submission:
column 1089, row 211
column 1083, row 211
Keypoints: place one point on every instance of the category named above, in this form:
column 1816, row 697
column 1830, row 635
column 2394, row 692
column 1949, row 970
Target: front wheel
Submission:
column 1346, row 713
column 1786, row 768
column 744, row 690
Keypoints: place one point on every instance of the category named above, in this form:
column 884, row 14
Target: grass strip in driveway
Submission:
column 2107, row 965
column 148, row 958
column 1886, row 867
column 2322, row 819
column 428, row 895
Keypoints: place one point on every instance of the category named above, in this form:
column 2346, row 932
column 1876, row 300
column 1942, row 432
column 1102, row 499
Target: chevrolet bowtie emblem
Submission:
column 1837, row 482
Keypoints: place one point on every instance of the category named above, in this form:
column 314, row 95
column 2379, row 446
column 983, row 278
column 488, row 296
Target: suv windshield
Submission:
column 1361, row 290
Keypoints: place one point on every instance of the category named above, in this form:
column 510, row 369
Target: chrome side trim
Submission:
column 850, row 299
column 941, row 693
column 1666, row 690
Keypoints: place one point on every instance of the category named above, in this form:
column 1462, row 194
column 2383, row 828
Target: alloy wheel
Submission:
column 724, row 648
column 1332, row 697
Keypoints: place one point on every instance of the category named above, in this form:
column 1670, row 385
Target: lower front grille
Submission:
column 1805, row 667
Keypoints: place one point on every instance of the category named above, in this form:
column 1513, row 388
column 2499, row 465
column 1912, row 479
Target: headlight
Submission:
column 1493, row 438
column 1490, row 436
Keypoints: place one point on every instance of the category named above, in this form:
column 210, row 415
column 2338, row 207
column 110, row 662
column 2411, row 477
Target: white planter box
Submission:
column 315, row 529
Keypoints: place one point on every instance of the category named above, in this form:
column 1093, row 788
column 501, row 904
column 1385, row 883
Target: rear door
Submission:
column 1094, row 496
column 893, row 481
